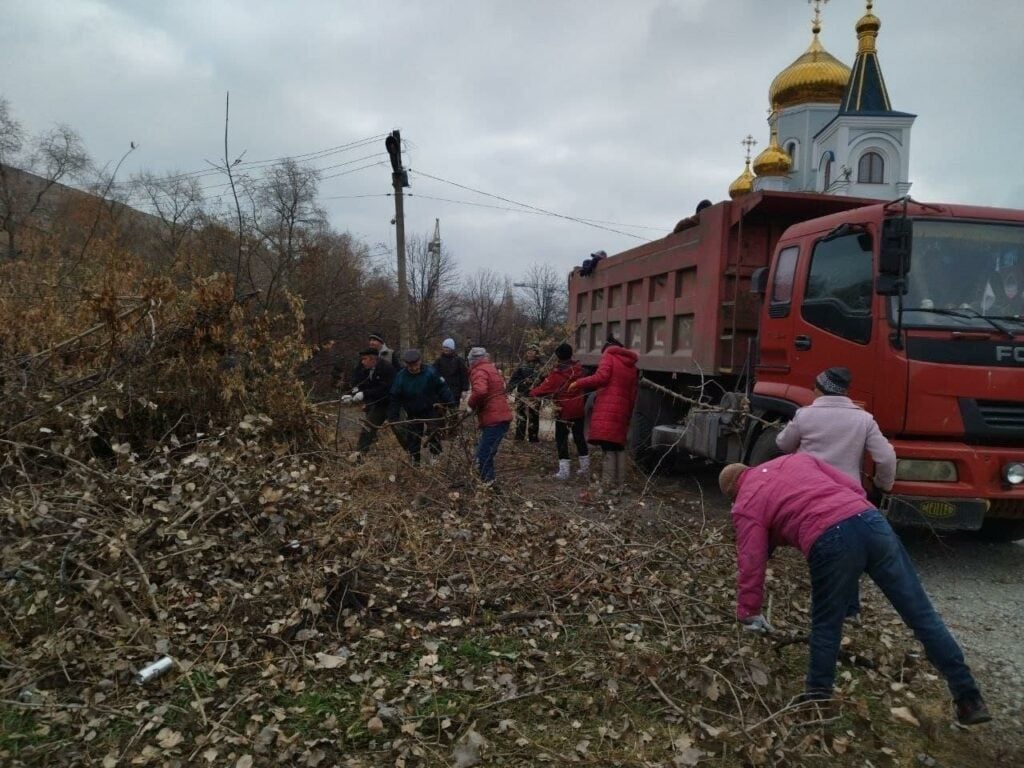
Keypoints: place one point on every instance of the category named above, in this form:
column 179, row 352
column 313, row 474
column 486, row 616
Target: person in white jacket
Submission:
column 839, row 432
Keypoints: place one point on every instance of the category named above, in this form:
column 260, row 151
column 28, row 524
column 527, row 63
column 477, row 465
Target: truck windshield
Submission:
column 964, row 273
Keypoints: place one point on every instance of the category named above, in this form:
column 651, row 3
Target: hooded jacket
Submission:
column 617, row 380
column 788, row 501
column 487, row 394
column 568, row 404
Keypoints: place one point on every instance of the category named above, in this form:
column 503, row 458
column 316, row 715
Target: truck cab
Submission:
column 931, row 324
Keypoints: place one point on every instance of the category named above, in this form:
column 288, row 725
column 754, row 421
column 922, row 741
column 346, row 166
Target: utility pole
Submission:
column 400, row 179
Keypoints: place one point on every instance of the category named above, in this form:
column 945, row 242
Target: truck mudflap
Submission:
column 939, row 514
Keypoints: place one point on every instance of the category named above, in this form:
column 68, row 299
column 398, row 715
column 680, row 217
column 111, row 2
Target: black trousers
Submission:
column 413, row 433
column 527, row 419
column 374, row 416
column 562, row 431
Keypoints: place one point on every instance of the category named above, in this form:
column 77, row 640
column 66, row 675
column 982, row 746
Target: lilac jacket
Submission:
column 788, row 501
column 838, row 432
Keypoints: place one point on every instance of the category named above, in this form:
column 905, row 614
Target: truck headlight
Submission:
column 922, row 470
column 1014, row 473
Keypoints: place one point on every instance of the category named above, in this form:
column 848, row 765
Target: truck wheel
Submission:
column 651, row 409
column 764, row 448
column 1002, row 530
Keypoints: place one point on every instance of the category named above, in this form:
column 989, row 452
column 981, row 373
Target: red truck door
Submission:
column 831, row 318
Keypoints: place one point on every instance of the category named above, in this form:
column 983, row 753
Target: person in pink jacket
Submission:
column 800, row 501
column 488, row 398
column 616, row 380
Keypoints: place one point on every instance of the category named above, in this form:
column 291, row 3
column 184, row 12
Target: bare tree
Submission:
column 177, row 200
column 546, row 292
column 433, row 277
column 483, row 304
column 29, row 169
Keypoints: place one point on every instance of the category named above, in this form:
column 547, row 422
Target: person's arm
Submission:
column 549, row 386
column 751, row 562
column 395, row 404
column 788, row 440
column 444, row 393
column 478, row 386
column 464, row 374
column 884, row 456
column 600, row 378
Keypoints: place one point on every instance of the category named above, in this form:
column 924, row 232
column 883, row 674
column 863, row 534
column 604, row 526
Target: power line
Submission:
column 578, row 220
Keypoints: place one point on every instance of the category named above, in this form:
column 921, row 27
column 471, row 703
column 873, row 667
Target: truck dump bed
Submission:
column 683, row 302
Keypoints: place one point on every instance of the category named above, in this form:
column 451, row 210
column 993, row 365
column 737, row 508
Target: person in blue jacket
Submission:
column 421, row 393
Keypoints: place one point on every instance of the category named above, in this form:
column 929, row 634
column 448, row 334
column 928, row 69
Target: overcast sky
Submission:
column 624, row 111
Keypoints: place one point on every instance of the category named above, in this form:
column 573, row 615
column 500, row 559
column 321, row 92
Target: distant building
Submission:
column 832, row 128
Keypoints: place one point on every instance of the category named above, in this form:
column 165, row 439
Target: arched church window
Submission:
column 826, row 163
column 791, row 151
column 871, row 169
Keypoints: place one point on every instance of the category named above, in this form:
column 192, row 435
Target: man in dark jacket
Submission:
column 453, row 369
column 523, row 379
column 371, row 386
column 422, row 394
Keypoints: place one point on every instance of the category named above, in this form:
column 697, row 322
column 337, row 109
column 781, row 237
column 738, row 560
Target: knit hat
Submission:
column 834, row 381
column 563, row 351
column 411, row 356
column 476, row 354
column 448, row 344
column 728, row 477
column 377, row 337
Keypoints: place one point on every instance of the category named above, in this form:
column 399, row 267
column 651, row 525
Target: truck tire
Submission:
column 1001, row 530
column 651, row 409
column 764, row 448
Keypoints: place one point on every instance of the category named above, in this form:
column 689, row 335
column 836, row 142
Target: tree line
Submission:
column 273, row 236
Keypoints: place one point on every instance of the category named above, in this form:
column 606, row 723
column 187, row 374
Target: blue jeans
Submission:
column 861, row 544
column 487, row 447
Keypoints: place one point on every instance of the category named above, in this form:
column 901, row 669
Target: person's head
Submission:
column 728, row 479
column 833, row 381
column 477, row 355
column 611, row 341
column 376, row 341
column 532, row 354
column 702, row 205
column 368, row 357
column 448, row 347
column 411, row 358
column 563, row 352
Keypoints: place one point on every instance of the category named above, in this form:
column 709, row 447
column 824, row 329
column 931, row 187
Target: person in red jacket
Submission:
column 568, row 411
column 800, row 501
column 616, row 380
column 488, row 398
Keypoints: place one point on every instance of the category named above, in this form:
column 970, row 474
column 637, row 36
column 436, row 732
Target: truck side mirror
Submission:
column 897, row 240
column 891, row 285
column 759, row 281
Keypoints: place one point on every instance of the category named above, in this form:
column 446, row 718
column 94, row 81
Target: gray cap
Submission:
column 411, row 356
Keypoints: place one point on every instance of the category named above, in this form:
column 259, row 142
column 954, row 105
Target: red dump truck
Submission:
column 736, row 311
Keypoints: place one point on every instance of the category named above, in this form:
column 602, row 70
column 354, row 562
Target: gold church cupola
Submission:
column 816, row 77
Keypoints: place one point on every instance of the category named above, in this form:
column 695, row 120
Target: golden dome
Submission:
column 815, row 77
column 867, row 29
column 744, row 183
column 773, row 161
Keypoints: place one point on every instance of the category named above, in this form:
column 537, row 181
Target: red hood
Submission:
column 626, row 356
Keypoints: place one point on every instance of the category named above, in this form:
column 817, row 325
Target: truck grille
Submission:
column 995, row 422
column 999, row 415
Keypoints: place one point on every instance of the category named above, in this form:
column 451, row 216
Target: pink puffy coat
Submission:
column 788, row 501
column 617, row 380
column 487, row 394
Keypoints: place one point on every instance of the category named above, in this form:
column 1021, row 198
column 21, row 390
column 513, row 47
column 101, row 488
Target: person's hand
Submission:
column 757, row 624
column 358, row 397
column 346, row 399
column 354, row 390
column 573, row 385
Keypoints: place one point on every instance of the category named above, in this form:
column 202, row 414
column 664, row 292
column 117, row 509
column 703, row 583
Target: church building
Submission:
column 832, row 128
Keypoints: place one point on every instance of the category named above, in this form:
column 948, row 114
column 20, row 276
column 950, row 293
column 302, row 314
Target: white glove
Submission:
column 757, row 624
column 357, row 397
column 346, row 399
column 354, row 390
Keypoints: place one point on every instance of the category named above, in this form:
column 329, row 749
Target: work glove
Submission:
column 346, row 400
column 358, row 397
column 757, row 624
column 355, row 390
